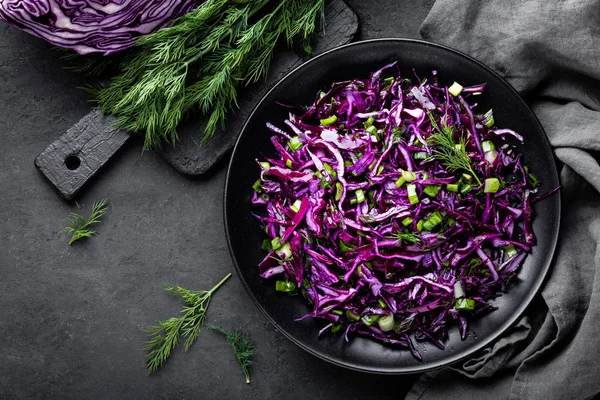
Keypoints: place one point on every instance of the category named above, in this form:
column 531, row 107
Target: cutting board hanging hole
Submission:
column 72, row 162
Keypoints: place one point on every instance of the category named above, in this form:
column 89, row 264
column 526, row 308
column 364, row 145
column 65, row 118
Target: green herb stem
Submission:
column 218, row 285
column 165, row 336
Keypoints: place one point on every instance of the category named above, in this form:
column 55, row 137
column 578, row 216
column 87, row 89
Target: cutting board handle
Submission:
column 76, row 156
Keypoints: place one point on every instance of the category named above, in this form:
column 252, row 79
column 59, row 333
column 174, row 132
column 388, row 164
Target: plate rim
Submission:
column 436, row 364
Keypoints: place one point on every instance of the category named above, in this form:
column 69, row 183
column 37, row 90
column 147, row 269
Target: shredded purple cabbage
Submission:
column 384, row 236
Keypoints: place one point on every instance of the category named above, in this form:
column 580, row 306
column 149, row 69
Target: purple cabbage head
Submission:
column 92, row 26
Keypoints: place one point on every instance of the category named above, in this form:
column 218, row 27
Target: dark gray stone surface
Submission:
column 71, row 317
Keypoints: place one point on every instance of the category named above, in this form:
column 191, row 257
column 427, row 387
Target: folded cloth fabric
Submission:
column 550, row 52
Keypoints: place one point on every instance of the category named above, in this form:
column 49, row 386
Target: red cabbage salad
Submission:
column 393, row 208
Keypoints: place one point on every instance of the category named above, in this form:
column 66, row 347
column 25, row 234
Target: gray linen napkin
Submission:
column 550, row 52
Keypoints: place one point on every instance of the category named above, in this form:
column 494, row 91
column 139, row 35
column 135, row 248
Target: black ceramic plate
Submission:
column 357, row 61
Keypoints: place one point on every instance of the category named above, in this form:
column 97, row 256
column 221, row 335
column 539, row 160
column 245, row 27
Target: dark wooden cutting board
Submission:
column 80, row 153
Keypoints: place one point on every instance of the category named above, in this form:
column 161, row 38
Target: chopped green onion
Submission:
column 466, row 189
column 486, row 145
column 489, row 150
column 388, row 82
column 345, row 247
column 330, row 170
column 288, row 163
column 352, row 316
column 337, row 312
column 266, row 245
column 510, row 250
column 432, row 221
column 490, row 156
column 431, row 190
column 338, row 191
column 381, row 303
column 336, row 328
column 455, row 89
column 465, row 304
column 265, row 165
column 295, row 143
column 372, row 130
column 466, row 178
column 372, row 165
column 285, row 286
column 491, row 185
column 386, row 322
column 379, row 170
column 348, row 163
column 324, row 182
column 408, row 176
column 285, row 251
column 420, row 155
column 411, row 189
column 322, row 94
column 296, row 205
column 488, row 119
column 459, row 290
column 420, row 225
column 276, row 243
column 452, row 187
column 370, row 195
column 398, row 131
column 436, row 217
column 407, row 221
column 369, row 122
column 329, row 121
column 399, row 182
column 369, row 319
column 360, row 196
column 257, row 186
column 532, row 180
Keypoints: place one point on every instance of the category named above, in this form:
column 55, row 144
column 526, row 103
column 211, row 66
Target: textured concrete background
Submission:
column 71, row 317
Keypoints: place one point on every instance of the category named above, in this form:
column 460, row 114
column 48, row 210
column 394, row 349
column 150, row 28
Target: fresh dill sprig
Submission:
column 450, row 152
column 199, row 63
column 80, row 227
column 242, row 345
column 165, row 336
